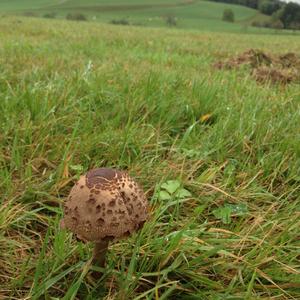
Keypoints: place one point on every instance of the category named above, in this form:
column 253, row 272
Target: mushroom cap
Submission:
column 105, row 203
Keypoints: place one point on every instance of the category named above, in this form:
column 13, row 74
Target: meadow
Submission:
column 217, row 153
column 190, row 14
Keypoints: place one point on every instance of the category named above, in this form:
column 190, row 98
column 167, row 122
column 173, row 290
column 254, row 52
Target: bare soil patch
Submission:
column 265, row 67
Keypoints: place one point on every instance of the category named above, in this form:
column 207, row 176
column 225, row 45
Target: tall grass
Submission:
column 78, row 96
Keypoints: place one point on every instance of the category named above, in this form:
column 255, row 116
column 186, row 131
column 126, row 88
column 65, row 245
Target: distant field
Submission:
column 75, row 96
column 194, row 14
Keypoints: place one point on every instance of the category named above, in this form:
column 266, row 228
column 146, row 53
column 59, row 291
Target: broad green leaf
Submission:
column 163, row 195
column 223, row 214
column 171, row 186
column 183, row 193
column 238, row 209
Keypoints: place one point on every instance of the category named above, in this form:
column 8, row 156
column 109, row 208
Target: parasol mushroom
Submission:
column 104, row 205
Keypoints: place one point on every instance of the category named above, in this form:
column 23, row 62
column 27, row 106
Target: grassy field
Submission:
column 193, row 14
column 80, row 95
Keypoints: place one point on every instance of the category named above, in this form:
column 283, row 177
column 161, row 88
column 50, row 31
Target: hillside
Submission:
column 216, row 152
column 194, row 14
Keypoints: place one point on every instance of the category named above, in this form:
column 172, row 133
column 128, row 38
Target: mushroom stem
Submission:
column 100, row 252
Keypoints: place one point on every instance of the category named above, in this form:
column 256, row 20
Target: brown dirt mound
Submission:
column 264, row 67
column 289, row 60
column 265, row 75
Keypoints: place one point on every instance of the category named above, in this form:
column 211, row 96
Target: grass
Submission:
column 79, row 95
column 195, row 14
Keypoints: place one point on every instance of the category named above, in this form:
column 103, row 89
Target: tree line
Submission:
column 287, row 15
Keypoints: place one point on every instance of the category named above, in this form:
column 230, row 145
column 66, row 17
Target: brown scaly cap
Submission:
column 105, row 203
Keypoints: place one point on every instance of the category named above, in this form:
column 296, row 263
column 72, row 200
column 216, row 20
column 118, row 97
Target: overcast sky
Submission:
column 297, row 1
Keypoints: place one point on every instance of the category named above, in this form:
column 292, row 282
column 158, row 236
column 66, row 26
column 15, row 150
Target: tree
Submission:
column 295, row 25
column 290, row 13
column 171, row 21
column 228, row 15
column 251, row 3
column 76, row 17
column 268, row 7
column 278, row 14
column 277, row 24
column 49, row 15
